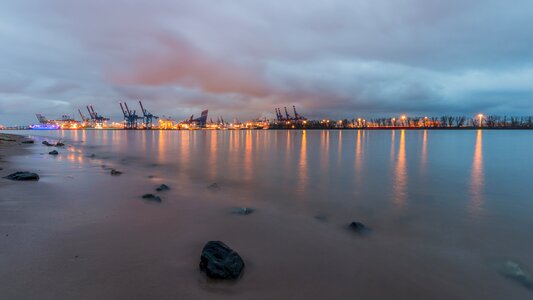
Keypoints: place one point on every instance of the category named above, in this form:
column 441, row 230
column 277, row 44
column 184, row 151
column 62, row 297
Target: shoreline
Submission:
column 11, row 145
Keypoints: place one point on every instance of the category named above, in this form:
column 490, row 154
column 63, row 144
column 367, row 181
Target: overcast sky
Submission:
column 336, row 58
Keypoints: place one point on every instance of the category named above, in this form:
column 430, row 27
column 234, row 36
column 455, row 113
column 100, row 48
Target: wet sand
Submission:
column 80, row 233
column 10, row 145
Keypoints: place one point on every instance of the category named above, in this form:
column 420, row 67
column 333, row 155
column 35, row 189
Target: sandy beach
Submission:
column 10, row 145
column 81, row 233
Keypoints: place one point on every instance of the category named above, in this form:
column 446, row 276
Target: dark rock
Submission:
column 59, row 144
column 92, row 155
column 46, row 143
column 54, row 152
column 151, row 197
column 28, row 142
column 115, row 172
column 163, row 187
column 22, row 176
column 219, row 261
column 321, row 217
column 358, row 227
column 151, row 176
column 513, row 271
column 242, row 211
column 213, row 186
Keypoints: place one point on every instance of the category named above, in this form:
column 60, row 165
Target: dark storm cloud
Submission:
column 242, row 58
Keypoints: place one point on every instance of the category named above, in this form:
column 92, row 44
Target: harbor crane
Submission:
column 83, row 118
column 148, row 118
column 287, row 113
column 96, row 119
column 279, row 116
column 297, row 116
column 287, row 117
column 130, row 117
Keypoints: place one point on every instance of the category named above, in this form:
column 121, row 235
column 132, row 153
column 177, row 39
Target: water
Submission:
column 447, row 209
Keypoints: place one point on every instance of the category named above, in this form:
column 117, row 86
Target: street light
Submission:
column 480, row 116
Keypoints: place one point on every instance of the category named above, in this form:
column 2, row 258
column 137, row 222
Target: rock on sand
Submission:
column 219, row 261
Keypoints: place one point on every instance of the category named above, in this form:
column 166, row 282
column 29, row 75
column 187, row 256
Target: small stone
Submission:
column 115, row 172
column 213, row 186
column 46, row 143
column 162, row 187
column 151, row 197
column 28, row 142
column 54, row 152
column 242, row 211
column 92, row 155
column 23, row 176
column 59, row 144
column 513, row 271
column 358, row 227
column 321, row 217
column 219, row 261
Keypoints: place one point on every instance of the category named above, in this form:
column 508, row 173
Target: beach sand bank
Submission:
column 81, row 233
column 11, row 145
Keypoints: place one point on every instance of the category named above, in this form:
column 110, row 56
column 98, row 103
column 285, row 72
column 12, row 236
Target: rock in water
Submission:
column 46, row 143
column 219, row 261
column 321, row 217
column 54, row 152
column 513, row 271
column 163, row 187
column 213, row 186
column 151, row 197
column 115, row 172
column 358, row 227
column 22, row 176
column 243, row 211
column 28, row 142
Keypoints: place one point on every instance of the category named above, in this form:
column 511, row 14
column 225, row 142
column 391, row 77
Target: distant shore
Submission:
column 302, row 128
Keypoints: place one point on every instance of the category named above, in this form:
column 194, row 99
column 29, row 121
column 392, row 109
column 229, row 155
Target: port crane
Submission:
column 148, row 118
column 297, row 116
column 287, row 117
column 83, row 118
column 130, row 117
column 96, row 119
column 287, row 113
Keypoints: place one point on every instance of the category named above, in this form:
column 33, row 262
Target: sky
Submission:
column 242, row 58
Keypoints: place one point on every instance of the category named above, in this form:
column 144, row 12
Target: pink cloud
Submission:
column 176, row 61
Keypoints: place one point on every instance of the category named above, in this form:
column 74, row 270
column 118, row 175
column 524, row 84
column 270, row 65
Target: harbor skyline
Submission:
column 333, row 60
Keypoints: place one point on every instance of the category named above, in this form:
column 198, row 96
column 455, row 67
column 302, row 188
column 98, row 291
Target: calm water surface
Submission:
column 447, row 209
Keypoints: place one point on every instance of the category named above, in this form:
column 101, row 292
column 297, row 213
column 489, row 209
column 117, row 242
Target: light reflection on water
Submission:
column 477, row 181
column 379, row 166
column 439, row 181
column 400, row 175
